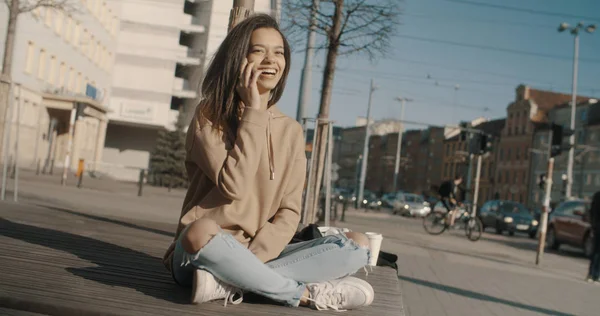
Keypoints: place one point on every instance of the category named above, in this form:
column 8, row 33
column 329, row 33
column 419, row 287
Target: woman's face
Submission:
column 267, row 52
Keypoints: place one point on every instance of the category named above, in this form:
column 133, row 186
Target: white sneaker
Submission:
column 341, row 294
column 207, row 288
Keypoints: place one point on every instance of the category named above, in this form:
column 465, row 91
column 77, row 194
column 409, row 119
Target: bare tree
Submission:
column 15, row 9
column 346, row 27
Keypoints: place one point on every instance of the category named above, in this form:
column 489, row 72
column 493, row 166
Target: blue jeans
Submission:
column 282, row 279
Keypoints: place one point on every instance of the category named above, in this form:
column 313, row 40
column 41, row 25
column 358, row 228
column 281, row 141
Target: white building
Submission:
column 62, row 62
column 163, row 48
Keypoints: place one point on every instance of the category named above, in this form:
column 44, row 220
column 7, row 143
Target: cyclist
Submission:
column 449, row 192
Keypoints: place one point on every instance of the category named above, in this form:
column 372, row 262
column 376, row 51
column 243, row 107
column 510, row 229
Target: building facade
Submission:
column 530, row 107
column 61, row 73
column 586, row 168
column 349, row 148
column 159, row 65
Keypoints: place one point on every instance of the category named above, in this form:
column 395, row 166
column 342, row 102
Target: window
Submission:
column 584, row 115
column 71, row 83
column 98, row 53
column 68, row 28
column 58, row 25
column 48, row 17
column 508, row 154
column 29, row 58
column 114, row 26
column 588, row 180
column 92, row 48
column 42, row 64
column 518, row 154
column 79, row 83
column 109, row 63
column 52, row 73
column 85, row 42
column 580, row 136
column 507, row 177
column 77, row 34
column 98, row 8
column 103, row 15
column 62, row 74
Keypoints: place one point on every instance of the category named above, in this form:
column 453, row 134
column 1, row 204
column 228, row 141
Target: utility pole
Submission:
column 363, row 169
column 544, row 216
column 17, row 140
column 241, row 10
column 476, row 193
column 6, row 140
column 575, row 32
column 67, row 163
column 573, row 114
column 306, row 76
column 399, row 144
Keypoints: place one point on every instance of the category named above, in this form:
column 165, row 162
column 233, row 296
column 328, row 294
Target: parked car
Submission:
column 411, row 205
column 508, row 216
column 370, row 200
column 387, row 200
column 569, row 224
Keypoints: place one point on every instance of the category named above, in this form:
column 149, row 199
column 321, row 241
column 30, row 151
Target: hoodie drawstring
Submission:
column 270, row 148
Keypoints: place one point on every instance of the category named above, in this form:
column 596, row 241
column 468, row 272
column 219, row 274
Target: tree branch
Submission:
column 67, row 6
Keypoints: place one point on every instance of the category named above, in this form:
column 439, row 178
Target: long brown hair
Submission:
column 220, row 102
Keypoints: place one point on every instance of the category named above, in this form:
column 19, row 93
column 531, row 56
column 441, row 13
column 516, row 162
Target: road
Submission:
column 439, row 275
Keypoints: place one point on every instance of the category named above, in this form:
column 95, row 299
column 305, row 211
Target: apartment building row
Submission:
column 120, row 71
column 510, row 171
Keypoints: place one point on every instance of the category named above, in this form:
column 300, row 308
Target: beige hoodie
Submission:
column 253, row 187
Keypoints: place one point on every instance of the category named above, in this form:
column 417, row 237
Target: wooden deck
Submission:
column 61, row 262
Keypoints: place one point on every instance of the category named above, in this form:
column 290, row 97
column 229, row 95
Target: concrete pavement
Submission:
column 440, row 275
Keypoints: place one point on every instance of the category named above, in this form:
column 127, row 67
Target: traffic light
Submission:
column 542, row 181
column 481, row 144
column 486, row 143
column 558, row 133
column 463, row 134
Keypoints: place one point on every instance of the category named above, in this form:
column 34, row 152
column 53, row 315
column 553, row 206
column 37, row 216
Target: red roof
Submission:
column 547, row 100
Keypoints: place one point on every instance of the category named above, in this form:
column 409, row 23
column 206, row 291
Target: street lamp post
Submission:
column 575, row 32
column 399, row 144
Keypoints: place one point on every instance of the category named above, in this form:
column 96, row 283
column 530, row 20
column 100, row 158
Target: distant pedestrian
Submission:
column 594, row 271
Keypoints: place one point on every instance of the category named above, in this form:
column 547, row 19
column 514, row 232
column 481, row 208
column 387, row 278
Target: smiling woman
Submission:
column 246, row 163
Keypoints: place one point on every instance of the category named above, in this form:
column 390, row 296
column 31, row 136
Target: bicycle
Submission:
column 437, row 222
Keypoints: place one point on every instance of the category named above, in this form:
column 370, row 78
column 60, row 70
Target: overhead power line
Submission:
column 495, row 48
column 525, row 10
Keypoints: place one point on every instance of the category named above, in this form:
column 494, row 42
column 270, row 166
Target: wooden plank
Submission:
column 14, row 312
column 65, row 263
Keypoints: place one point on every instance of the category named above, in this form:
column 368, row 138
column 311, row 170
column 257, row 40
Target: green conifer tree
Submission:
column 167, row 162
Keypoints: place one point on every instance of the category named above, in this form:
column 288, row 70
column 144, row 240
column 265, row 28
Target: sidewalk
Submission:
column 440, row 275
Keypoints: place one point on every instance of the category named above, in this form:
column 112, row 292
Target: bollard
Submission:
column 345, row 207
column 141, row 182
column 80, row 171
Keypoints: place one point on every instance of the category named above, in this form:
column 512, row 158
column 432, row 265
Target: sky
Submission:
column 486, row 47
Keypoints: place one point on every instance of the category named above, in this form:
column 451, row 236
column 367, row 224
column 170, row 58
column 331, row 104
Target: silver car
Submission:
column 411, row 205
